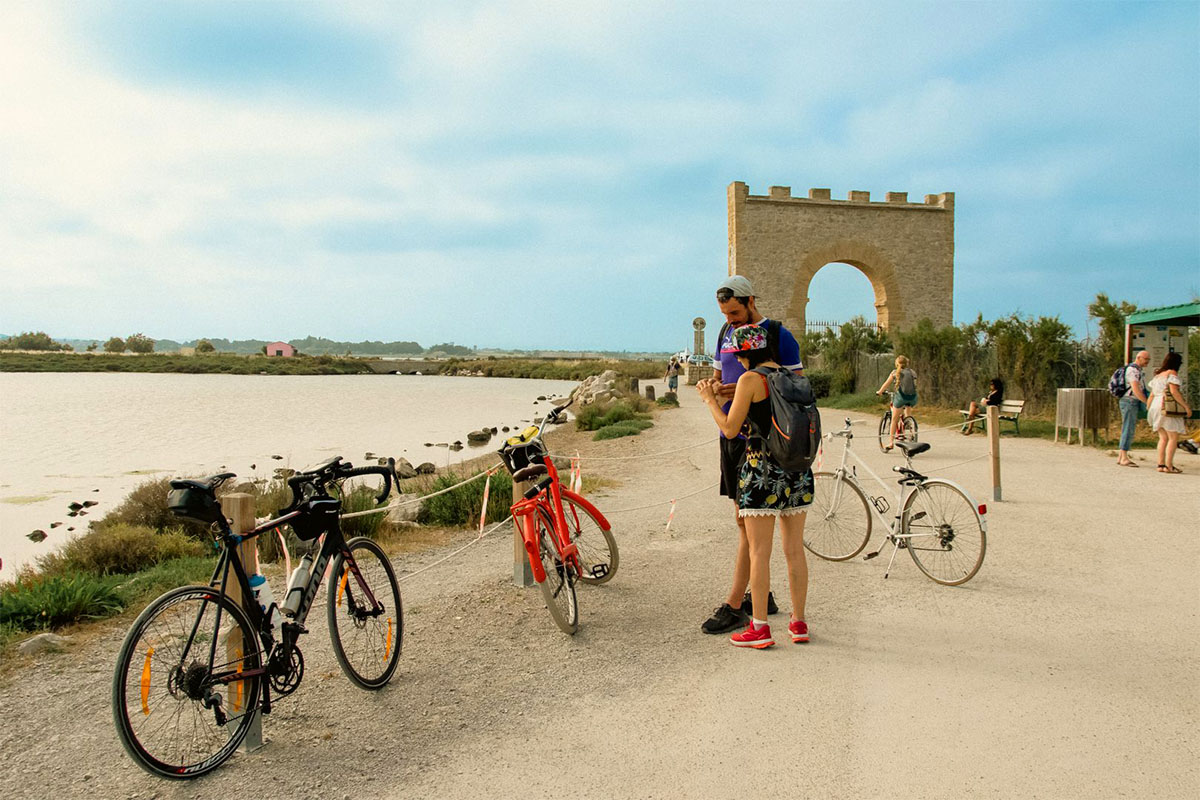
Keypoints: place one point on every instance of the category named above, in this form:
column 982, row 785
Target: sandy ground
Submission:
column 1066, row 668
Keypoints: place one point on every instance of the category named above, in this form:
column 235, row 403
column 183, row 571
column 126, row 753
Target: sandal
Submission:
column 1172, row 470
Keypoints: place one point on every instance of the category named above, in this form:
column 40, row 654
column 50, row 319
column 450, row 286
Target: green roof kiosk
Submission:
column 1159, row 331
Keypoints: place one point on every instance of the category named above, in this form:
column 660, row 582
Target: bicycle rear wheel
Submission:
column 839, row 523
column 558, row 588
column 166, row 673
column 885, row 430
column 598, row 556
column 366, row 630
column 948, row 542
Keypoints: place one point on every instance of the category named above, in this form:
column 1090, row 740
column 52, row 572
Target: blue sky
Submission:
column 554, row 174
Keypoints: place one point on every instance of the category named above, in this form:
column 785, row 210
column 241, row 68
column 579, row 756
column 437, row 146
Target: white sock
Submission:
column 759, row 623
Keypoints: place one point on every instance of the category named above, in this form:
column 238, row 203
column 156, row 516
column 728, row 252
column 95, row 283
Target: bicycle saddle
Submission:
column 913, row 448
column 204, row 484
column 530, row 472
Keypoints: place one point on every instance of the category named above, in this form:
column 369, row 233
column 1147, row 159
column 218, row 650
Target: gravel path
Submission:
column 1066, row 668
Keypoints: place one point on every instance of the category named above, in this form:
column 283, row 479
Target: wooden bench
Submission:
column 1010, row 410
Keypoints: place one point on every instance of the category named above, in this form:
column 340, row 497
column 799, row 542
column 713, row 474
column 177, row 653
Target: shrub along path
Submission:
column 1077, row 641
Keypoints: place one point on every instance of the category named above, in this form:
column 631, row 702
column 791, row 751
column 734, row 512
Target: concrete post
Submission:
column 649, row 392
column 239, row 507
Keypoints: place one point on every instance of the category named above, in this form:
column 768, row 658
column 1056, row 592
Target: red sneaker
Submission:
column 758, row 638
column 798, row 628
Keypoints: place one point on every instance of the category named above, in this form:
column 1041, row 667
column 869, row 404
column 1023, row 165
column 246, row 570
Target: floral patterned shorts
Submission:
column 766, row 489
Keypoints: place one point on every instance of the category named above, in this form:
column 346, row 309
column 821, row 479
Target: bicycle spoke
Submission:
column 947, row 541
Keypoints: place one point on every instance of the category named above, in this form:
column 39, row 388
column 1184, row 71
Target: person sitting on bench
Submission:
column 994, row 397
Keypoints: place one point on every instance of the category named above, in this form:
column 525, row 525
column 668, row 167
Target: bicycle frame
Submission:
column 895, row 527
column 549, row 496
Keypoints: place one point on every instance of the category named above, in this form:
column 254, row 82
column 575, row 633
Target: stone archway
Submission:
column 906, row 250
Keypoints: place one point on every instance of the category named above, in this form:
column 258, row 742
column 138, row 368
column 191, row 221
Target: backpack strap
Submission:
column 721, row 337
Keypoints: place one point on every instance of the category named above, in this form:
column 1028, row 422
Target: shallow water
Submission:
column 65, row 435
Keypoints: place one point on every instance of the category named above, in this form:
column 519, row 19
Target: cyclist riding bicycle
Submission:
column 903, row 398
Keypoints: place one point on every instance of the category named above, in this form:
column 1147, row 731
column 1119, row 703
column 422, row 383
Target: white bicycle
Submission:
column 939, row 524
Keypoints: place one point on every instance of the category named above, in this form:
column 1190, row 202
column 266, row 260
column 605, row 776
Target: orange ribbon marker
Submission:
column 342, row 585
column 388, row 648
column 671, row 516
column 487, row 489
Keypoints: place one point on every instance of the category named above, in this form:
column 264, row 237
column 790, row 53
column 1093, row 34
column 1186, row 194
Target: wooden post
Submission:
column 239, row 507
column 649, row 392
column 993, row 428
column 522, row 572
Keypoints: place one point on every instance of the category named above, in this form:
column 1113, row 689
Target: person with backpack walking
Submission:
column 738, row 304
column 1128, row 385
column 904, row 398
column 765, row 489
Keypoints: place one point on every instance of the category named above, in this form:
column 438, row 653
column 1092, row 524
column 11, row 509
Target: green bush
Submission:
column 596, row 416
column 629, row 427
column 119, row 549
column 362, row 498
column 461, row 507
column 36, row 602
column 146, row 506
column 822, row 382
column 166, row 575
column 668, row 400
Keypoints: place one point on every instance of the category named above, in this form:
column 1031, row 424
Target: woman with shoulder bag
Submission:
column 1167, row 410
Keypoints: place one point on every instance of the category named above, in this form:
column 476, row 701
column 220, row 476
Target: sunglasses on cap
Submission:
column 724, row 295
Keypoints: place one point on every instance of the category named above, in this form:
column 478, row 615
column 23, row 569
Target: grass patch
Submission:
column 38, row 602
column 594, row 483
column 167, row 575
column 119, row 549
column 668, row 400
column 596, row 416
column 629, row 427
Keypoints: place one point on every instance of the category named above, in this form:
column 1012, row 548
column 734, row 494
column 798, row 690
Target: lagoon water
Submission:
column 65, row 435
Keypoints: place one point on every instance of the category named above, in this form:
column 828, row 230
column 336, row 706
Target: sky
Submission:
column 553, row 175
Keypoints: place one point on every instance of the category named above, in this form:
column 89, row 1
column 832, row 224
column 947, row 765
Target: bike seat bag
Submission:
column 518, row 453
column 317, row 515
column 189, row 501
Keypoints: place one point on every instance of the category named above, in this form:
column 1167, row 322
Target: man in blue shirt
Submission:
column 735, row 297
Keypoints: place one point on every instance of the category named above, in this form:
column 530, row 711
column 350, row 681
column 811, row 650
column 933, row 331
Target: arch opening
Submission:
column 839, row 292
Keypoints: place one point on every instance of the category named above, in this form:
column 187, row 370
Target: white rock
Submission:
column 40, row 643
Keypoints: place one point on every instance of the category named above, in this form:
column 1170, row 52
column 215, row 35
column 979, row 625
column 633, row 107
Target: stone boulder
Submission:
column 426, row 469
column 404, row 469
column 41, row 643
column 480, row 436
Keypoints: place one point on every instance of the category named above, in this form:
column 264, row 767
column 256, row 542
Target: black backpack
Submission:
column 795, row 434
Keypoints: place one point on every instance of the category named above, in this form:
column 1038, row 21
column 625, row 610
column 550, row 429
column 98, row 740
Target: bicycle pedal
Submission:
column 869, row 556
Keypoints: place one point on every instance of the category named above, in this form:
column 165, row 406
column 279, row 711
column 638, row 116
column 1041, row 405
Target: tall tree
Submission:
column 1111, row 318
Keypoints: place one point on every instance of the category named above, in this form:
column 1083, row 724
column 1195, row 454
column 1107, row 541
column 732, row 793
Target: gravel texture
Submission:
column 1066, row 668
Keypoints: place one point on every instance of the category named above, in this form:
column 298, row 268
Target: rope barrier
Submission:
column 482, row 535
column 664, row 502
column 634, row 458
column 422, row 498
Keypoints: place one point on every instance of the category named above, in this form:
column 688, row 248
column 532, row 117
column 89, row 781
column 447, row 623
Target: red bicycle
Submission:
column 566, row 538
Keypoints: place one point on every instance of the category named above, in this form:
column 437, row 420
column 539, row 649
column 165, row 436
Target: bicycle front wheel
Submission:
column 366, row 616
column 885, row 430
column 910, row 428
column 179, row 707
column 839, row 523
column 947, row 541
column 558, row 588
column 598, row 556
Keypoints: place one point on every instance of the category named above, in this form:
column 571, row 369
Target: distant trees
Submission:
column 1111, row 317
column 139, row 343
column 205, row 346
column 115, row 345
column 32, row 340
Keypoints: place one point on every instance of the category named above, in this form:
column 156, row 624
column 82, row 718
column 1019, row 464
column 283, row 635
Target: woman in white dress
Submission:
column 1166, row 380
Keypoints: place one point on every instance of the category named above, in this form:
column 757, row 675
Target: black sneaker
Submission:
column 725, row 618
column 1191, row 448
column 748, row 607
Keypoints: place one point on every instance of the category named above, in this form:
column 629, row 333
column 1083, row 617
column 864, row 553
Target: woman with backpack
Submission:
column 905, row 396
column 765, row 490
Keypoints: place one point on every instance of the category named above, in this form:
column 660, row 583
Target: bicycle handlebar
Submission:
column 335, row 470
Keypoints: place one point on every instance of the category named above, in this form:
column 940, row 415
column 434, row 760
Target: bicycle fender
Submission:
column 583, row 501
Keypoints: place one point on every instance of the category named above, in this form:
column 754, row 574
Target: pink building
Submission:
column 281, row 349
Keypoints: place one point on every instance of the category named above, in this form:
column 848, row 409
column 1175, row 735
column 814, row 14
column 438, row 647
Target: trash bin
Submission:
column 1082, row 408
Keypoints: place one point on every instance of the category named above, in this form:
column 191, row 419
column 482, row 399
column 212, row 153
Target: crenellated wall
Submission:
column 905, row 249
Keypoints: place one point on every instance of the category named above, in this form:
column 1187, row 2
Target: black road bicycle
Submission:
column 196, row 665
